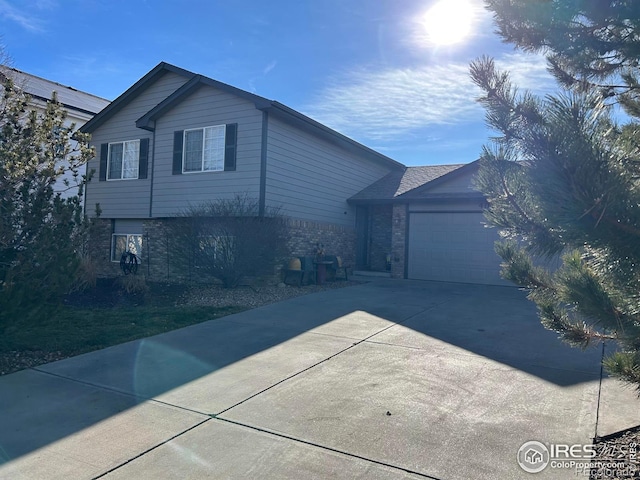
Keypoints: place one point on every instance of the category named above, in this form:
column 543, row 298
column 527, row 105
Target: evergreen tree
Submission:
column 562, row 176
column 590, row 45
column 39, row 230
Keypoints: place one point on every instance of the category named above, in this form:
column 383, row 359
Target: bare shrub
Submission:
column 132, row 284
column 86, row 276
column 230, row 239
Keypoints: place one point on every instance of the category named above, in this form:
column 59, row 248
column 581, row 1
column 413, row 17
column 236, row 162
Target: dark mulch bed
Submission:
column 617, row 456
column 108, row 294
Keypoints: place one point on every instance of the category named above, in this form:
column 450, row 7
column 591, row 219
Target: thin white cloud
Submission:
column 253, row 81
column 269, row 67
column 379, row 105
column 30, row 21
column 528, row 72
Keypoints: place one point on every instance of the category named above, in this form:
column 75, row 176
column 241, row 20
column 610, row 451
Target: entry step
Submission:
column 368, row 273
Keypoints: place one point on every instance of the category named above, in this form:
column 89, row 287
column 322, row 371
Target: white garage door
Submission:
column 453, row 247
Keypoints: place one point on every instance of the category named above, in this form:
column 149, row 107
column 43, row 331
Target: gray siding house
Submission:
column 176, row 139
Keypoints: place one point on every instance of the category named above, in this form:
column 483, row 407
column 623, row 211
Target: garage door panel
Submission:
column 452, row 247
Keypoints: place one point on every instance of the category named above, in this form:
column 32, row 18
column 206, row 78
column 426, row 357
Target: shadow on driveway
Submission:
column 191, row 367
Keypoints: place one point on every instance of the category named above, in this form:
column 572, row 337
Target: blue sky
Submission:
column 372, row 69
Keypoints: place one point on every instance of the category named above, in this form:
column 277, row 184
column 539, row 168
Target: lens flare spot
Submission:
column 448, row 21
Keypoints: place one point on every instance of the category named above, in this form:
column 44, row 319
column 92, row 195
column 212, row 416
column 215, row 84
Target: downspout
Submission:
column 262, row 201
column 406, row 241
column 153, row 162
column 152, row 154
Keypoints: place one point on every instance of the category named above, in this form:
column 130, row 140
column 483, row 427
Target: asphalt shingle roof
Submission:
column 395, row 184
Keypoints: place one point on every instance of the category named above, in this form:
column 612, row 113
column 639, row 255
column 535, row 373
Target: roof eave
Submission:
column 370, row 201
column 430, row 199
column 433, row 198
column 443, row 197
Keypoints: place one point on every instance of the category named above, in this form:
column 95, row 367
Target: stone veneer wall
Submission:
column 304, row 235
column 380, row 237
column 100, row 248
column 161, row 256
column 156, row 260
column 163, row 260
column 398, row 241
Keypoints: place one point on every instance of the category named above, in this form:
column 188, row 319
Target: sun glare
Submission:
column 448, row 21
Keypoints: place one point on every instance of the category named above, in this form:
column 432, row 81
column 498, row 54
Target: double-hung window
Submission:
column 126, row 160
column 204, row 149
column 123, row 160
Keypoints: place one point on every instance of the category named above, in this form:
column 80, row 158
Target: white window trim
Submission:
column 122, row 168
column 113, row 235
column 184, row 149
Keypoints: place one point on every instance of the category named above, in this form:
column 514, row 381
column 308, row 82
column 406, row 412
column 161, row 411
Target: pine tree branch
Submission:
column 599, row 216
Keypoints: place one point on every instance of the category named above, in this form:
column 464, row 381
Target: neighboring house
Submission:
column 176, row 139
column 79, row 106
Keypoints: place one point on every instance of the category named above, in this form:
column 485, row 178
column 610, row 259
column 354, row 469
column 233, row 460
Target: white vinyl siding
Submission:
column 123, row 160
column 203, row 149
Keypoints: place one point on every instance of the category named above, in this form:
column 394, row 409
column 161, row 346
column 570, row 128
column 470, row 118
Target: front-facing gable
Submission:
column 128, row 196
column 412, row 183
column 458, row 183
column 194, row 81
column 132, row 93
column 154, row 118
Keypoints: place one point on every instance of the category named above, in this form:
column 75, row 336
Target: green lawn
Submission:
column 75, row 330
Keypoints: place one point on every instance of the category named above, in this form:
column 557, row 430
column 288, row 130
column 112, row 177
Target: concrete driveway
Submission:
column 389, row 379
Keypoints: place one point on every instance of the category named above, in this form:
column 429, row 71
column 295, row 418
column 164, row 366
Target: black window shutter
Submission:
column 177, row 151
column 230, row 144
column 104, row 152
column 143, row 159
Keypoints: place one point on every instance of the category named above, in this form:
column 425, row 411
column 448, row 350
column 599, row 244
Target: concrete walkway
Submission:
column 390, row 379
